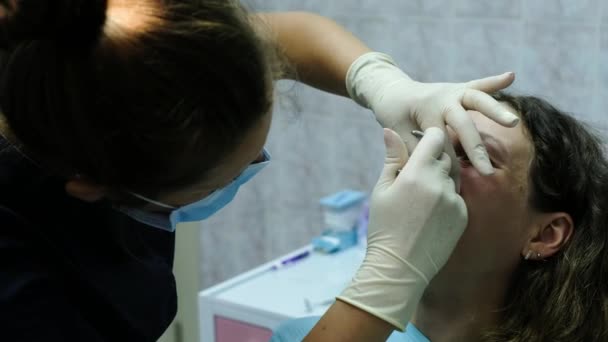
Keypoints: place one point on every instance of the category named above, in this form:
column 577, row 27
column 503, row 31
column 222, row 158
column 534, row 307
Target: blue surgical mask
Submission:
column 198, row 210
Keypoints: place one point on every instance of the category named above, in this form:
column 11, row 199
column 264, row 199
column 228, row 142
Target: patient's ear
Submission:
column 85, row 190
column 552, row 231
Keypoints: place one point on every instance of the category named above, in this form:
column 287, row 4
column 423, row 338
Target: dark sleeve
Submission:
column 34, row 302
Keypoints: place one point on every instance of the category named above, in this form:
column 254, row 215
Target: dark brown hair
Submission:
column 147, row 111
column 565, row 297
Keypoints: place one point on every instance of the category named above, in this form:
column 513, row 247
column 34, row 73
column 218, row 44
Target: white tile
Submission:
column 603, row 57
column 423, row 49
column 559, row 55
column 562, row 10
column 486, row 48
column 488, row 9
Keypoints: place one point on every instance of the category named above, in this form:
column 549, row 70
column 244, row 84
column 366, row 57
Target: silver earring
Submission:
column 528, row 255
column 538, row 256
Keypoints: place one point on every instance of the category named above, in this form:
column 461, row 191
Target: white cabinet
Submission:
column 248, row 307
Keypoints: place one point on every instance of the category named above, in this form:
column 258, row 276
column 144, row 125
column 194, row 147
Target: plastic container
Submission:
column 342, row 210
column 342, row 217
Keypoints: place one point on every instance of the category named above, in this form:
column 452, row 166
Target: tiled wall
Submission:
column 322, row 143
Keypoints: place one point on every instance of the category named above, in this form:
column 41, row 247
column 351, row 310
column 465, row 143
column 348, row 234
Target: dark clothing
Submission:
column 76, row 271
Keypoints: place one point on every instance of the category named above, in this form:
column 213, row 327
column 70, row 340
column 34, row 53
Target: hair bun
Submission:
column 78, row 23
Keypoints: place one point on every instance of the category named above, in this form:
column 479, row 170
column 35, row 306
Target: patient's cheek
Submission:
column 475, row 187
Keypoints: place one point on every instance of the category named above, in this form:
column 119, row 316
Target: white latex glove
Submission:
column 374, row 81
column 416, row 219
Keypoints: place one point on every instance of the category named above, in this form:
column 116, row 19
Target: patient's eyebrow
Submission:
column 495, row 143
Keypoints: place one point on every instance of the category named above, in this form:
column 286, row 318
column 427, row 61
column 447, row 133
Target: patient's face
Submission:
column 499, row 214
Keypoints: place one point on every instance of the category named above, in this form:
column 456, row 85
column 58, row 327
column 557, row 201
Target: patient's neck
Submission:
column 458, row 307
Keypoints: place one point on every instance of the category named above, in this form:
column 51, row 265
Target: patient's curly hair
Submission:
column 565, row 297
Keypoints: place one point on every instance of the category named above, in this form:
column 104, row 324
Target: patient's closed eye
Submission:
column 462, row 156
column 464, row 159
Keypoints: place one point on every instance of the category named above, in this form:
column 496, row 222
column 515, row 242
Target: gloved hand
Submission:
column 416, row 219
column 401, row 104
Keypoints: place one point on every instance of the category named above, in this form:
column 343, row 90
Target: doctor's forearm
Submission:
column 345, row 323
column 320, row 50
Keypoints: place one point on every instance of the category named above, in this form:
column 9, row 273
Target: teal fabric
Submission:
column 295, row 330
